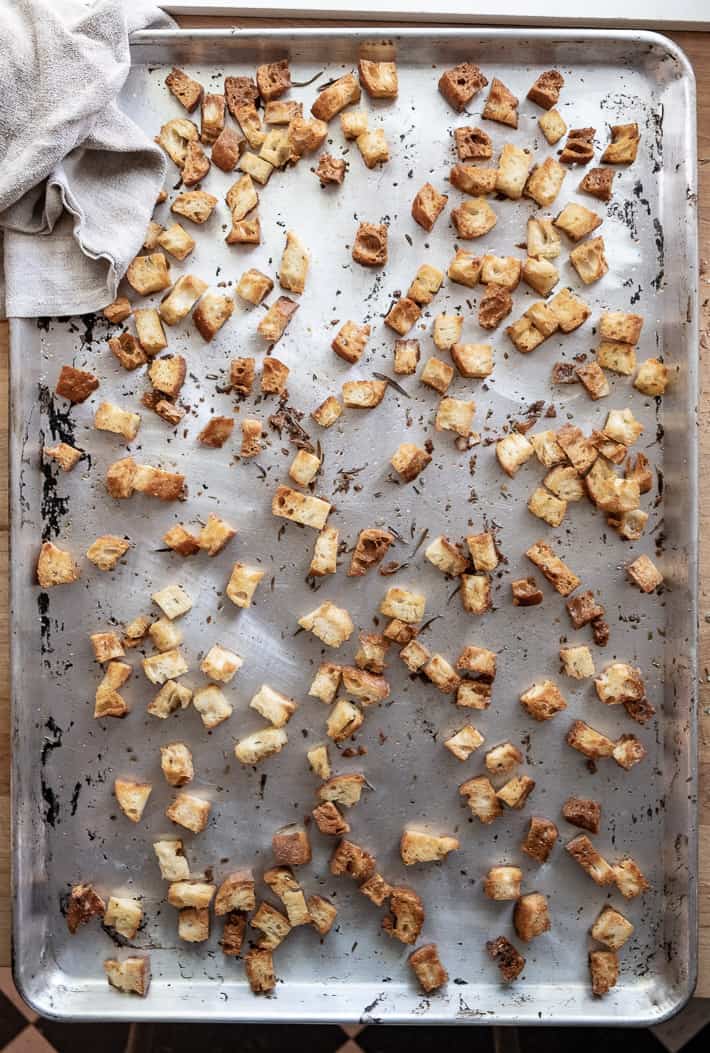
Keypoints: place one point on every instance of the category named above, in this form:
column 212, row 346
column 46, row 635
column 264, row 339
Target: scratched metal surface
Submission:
column 67, row 826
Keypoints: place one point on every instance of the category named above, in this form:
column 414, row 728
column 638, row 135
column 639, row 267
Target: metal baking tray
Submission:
column 66, row 824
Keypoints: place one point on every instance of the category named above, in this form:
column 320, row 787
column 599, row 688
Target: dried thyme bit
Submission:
column 422, row 538
column 454, row 593
column 287, row 418
column 262, row 471
column 392, row 383
column 430, row 621
column 306, row 83
column 328, row 83
column 392, row 567
column 395, row 533
column 347, row 475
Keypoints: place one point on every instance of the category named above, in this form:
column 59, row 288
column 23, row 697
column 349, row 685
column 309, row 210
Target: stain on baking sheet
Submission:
column 53, row 506
column 59, row 421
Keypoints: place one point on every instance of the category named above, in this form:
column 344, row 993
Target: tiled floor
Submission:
column 22, row 1031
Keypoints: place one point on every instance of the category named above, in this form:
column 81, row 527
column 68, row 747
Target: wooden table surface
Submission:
column 697, row 48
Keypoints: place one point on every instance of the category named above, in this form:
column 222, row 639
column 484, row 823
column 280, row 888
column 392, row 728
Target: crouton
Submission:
column 481, row 798
column 322, row 914
column 190, row 893
column 473, row 218
column 345, row 790
column 107, row 550
column 344, row 720
column 583, row 812
column 441, row 674
column 437, row 375
column 84, row 904
column 516, row 791
column 227, row 149
column 402, row 315
column 628, row 751
column 428, row 968
column 526, row 592
column 603, row 970
column 545, row 181
column 415, row 656
column 325, row 553
column 363, row 394
column 333, row 625
column 652, row 378
column 116, row 420
column 328, row 412
column 644, row 573
column 213, row 310
column 589, row 260
column 165, row 666
column 624, row 145
column 475, row 180
column 131, row 975
column 211, row 119
column 465, row 269
column 513, row 451
column 547, row 507
column 259, row 967
column 531, row 916
column 445, row 556
column 591, row 861
column 187, row 91
column 417, row 846
column 259, row 168
column 212, row 706
column 76, row 384
column 273, row 79
column 165, row 635
column 524, row 335
column 326, row 682
column 330, row 170
column 372, row 652
column 546, row 89
column 503, row 883
column 352, row 860
column 543, row 241
column 379, row 79
column 329, row 820
column 66, row 456
column 294, row 264
column 136, row 630
column 540, row 275
column 473, row 360
column 195, row 205
column 171, row 860
column 370, row 245
column 196, row 164
column 406, row 917
column 306, row 136
column 495, row 305
column 336, row 97
column 577, row 221
column 350, row 341
column 543, row 701
column 400, row 632
column 243, row 583
column 233, row 932
column 579, row 148
column 513, row 167
column 427, row 206
column 281, row 881
column 464, row 742
column 56, row 566
column 373, row 147
column 301, row 508
column 510, row 962
column 367, row 687
column 406, row 357
column 274, row 707
column 552, row 126
column 123, row 915
column 501, row 105
column 476, row 593
column 246, row 232
column 460, row 84
column 118, row 310
column 611, row 928
column 106, row 646
column 174, row 137
column 409, row 460
column 555, row 570
column 586, row 740
column 259, row 745
column 628, row 878
column 273, row 924
column 403, row 604
column 235, row 893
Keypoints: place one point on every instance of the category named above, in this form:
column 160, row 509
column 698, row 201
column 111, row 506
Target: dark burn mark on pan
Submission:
column 659, row 239
column 637, row 192
column 625, row 212
column 53, row 743
column 59, row 421
column 73, row 804
column 51, row 813
column 53, row 507
column 43, row 324
column 44, row 624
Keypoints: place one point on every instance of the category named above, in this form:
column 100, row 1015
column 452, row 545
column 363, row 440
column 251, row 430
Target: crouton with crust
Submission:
column 503, row 883
column 460, row 84
column 353, row 860
column 510, row 962
column 406, row 914
column 417, row 846
column 329, row 623
column 531, row 916
column 130, row 975
column 132, row 797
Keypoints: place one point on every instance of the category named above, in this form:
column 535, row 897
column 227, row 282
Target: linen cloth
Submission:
column 78, row 178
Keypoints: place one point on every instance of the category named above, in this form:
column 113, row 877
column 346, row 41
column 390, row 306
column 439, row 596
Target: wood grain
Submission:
column 697, row 48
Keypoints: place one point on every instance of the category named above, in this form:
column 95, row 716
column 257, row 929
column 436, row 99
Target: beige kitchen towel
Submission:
column 78, row 178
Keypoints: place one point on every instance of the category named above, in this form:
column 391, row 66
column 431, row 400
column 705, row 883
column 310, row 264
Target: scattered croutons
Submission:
column 604, row 971
column 243, row 583
column 333, row 625
column 503, row 883
column 352, row 860
column 583, row 812
column 481, row 798
column 531, row 916
column 131, row 975
column 427, row 967
column 540, row 839
column 189, row 811
column 543, row 701
column 123, row 915
column 132, row 797
column 406, row 917
column 56, row 566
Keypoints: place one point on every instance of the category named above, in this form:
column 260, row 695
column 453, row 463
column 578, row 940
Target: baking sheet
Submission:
column 66, row 824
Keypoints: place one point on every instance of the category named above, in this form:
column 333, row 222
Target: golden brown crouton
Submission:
column 598, row 183
column 501, row 105
column 531, row 916
column 273, row 79
column 428, row 968
column 406, row 357
column 84, row 904
column 233, row 932
column 273, row 924
column 132, row 797
column 189, row 811
column 445, row 556
column 65, row 455
column 106, row 551
column 333, row 625
column 402, row 315
column 604, row 971
column 56, row 566
column 583, row 812
column 336, row 97
column 322, row 914
column 187, row 91
column 579, row 148
column 586, row 740
column 546, row 89
column 409, row 460
column 503, row 883
column 196, row 164
column 503, row 759
column 652, row 378
column 352, row 860
column 552, row 126
column 591, row 861
column 510, row 962
column 540, row 839
column 370, row 245
column 330, row 169
column 227, row 149
column 644, row 573
column 118, row 310
column 589, row 261
column 417, row 846
column 376, row 889
column 330, row 820
column 495, row 305
column 259, row 967
column 131, row 975
column 473, row 218
column 481, row 798
column 373, row 147
column 304, row 136
column 426, row 284
column 513, row 451
column 75, row 384
column 379, row 79
column 624, row 145
column 406, row 917
column 543, row 701
column 516, row 791
column 123, row 915
column 555, row 570
column 345, row 790
column 476, row 180
column 350, row 341
column 427, row 206
column 235, row 893
column 629, row 879
column 611, row 928
column 460, row 84
column 301, row 508
column 526, row 592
